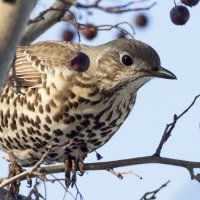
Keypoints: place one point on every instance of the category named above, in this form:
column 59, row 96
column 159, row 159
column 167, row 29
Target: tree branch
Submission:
column 115, row 9
column 188, row 165
column 169, row 127
column 35, row 29
column 153, row 193
column 13, row 17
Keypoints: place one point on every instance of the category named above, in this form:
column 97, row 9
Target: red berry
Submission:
column 190, row 2
column 68, row 35
column 141, row 20
column 179, row 15
column 80, row 62
column 89, row 31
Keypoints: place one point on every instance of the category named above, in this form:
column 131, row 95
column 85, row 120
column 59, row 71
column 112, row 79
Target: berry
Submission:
column 68, row 35
column 80, row 62
column 179, row 15
column 141, row 20
column 190, row 2
column 89, row 31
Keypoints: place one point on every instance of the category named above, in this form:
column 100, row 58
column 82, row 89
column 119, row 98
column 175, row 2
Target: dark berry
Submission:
column 68, row 35
column 141, row 20
column 179, row 15
column 190, row 2
column 80, row 62
column 89, row 31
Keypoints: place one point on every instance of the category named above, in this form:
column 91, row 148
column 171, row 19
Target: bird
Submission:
column 72, row 98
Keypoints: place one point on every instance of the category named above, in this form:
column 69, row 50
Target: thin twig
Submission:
column 169, row 127
column 153, row 193
column 114, row 9
column 119, row 174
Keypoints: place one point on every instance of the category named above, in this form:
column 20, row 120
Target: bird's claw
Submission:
column 72, row 166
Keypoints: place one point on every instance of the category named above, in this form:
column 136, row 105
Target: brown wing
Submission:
column 35, row 61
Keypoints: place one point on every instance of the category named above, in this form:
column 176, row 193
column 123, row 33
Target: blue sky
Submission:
column 157, row 102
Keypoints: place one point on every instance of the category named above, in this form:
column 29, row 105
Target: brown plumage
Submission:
column 58, row 104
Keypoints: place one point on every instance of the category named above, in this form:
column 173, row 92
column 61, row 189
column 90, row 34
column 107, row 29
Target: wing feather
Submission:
column 34, row 62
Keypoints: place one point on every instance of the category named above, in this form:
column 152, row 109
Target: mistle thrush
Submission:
column 58, row 103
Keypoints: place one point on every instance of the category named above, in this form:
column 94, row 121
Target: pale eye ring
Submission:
column 126, row 59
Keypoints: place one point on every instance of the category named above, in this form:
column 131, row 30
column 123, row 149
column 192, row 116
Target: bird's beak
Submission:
column 162, row 73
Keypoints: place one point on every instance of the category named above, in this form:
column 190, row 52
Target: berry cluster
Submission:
column 179, row 14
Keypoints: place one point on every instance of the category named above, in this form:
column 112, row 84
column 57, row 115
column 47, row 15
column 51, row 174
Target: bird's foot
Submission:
column 14, row 169
column 72, row 166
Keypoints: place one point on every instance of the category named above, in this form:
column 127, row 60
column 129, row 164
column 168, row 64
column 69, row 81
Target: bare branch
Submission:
column 169, row 127
column 188, row 165
column 34, row 30
column 153, row 193
column 115, row 9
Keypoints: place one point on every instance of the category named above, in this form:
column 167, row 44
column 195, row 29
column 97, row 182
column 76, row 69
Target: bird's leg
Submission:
column 68, row 172
column 81, row 166
column 14, row 169
column 72, row 166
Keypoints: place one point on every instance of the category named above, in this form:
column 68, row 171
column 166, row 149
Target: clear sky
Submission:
column 157, row 102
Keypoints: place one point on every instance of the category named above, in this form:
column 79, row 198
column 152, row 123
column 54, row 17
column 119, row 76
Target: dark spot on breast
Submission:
column 13, row 125
column 58, row 132
column 48, row 120
column 71, row 94
column 47, row 136
column 17, row 135
column 9, row 138
column 38, row 133
column 97, row 143
column 47, row 90
column 40, row 108
column 23, row 133
column 91, row 135
column 94, row 141
column 85, row 123
column 21, row 121
column 47, row 108
column 37, row 119
column 107, row 133
column 52, row 103
column 88, row 131
column 83, row 100
column 98, row 125
column 79, row 128
column 77, row 116
column 84, row 149
column 69, row 120
column 25, row 140
column 56, row 140
column 75, row 104
column 32, row 139
column 53, row 155
column 46, row 128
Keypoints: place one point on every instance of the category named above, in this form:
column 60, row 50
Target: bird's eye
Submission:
column 127, row 60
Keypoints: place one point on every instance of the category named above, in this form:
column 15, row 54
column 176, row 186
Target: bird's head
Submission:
column 124, row 61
